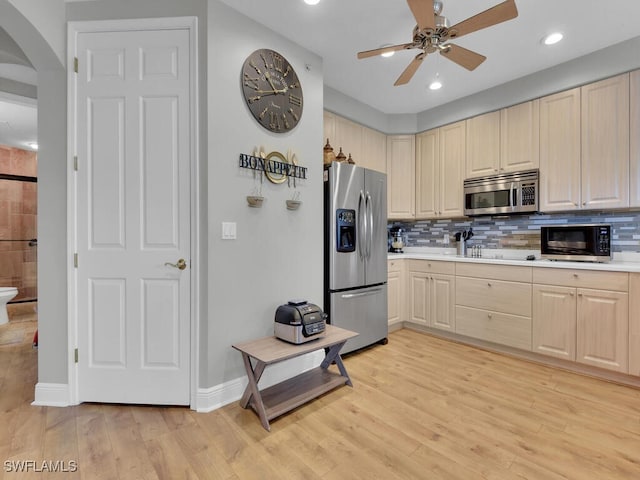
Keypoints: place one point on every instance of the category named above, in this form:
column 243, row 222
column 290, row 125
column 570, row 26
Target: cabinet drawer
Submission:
column 512, row 273
column 567, row 277
column 432, row 266
column 511, row 330
column 495, row 295
column 395, row 265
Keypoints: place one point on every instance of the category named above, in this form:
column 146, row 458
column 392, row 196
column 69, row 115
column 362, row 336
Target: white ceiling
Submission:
column 338, row 29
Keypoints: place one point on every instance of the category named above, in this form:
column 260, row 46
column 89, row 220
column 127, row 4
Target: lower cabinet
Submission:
column 586, row 325
column 431, row 294
column 634, row 324
column 491, row 306
column 395, row 290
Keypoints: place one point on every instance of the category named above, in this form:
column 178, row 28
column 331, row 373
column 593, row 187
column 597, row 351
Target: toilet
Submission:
column 6, row 294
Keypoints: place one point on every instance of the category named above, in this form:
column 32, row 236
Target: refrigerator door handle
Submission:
column 362, row 227
column 370, row 216
column 362, row 294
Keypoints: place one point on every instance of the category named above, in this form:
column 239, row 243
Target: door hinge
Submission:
column 75, row 64
column 75, row 355
column 75, row 163
column 75, row 260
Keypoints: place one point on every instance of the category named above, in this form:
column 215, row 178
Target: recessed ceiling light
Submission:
column 33, row 145
column 312, row 2
column 552, row 38
column 435, row 85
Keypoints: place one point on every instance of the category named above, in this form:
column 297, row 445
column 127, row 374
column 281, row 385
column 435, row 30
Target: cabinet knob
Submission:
column 584, row 203
column 488, row 284
column 571, row 293
column 579, row 294
column 489, row 315
column 575, row 204
column 575, row 275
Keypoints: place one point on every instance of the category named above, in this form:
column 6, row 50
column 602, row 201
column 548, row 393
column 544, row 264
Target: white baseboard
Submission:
column 52, row 395
column 212, row 398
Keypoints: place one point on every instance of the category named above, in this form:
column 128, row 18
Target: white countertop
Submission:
column 621, row 262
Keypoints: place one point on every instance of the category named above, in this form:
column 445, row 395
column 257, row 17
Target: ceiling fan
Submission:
column 432, row 34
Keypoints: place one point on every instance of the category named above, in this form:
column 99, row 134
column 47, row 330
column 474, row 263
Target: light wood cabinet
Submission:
column 586, row 325
column 520, row 137
column 395, row 290
column 603, row 329
column 374, row 150
column 493, row 303
column 348, row 136
column 605, row 143
column 634, row 324
column 439, row 172
column 504, row 141
column 554, row 321
column 401, row 161
column 367, row 147
column 560, row 151
column 483, row 145
column 634, row 139
column 432, row 294
column 584, row 147
column 451, row 172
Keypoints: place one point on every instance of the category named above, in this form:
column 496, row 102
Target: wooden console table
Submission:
column 289, row 394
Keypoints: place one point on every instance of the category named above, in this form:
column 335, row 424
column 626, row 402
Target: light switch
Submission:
column 229, row 230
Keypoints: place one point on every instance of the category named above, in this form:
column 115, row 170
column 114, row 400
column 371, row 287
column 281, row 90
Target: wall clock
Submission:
column 272, row 90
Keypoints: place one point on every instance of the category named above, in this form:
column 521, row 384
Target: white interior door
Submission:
column 133, row 216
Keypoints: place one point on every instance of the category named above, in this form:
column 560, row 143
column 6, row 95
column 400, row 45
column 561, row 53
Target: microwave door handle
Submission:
column 511, row 202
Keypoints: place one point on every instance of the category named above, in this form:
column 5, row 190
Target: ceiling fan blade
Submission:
column 380, row 51
column 463, row 57
column 423, row 12
column 410, row 70
column 502, row 12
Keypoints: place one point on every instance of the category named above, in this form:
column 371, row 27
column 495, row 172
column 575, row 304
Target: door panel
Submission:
column 133, row 216
column 376, row 265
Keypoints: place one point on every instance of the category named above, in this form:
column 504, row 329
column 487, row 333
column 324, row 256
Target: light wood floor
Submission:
column 420, row 408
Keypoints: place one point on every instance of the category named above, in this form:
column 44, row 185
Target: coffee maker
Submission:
column 396, row 239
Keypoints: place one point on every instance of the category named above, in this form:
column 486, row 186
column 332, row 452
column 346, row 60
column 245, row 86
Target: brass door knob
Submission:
column 180, row 265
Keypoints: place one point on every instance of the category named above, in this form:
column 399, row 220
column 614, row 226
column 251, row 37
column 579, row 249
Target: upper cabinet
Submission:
column 584, row 147
column 520, row 137
column 483, row 145
column 504, row 141
column 368, row 147
column 605, row 143
column 634, row 136
column 401, row 170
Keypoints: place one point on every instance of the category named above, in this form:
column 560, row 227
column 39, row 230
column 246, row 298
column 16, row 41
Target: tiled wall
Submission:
column 18, row 220
column 520, row 231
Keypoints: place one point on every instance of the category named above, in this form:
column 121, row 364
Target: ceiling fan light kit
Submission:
column 432, row 34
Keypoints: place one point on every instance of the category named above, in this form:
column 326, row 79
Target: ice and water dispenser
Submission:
column 346, row 230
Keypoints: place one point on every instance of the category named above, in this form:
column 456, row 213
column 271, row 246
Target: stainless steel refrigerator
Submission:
column 356, row 252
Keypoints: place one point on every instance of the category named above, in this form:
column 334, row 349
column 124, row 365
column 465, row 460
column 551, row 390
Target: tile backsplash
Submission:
column 519, row 231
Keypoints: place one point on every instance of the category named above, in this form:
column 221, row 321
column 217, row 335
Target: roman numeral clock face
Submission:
column 272, row 90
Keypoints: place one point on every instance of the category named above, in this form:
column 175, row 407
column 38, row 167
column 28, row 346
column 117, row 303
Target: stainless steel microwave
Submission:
column 585, row 243
column 502, row 194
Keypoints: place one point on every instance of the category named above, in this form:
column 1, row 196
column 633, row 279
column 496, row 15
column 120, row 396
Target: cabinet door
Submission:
column 605, row 143
column 634, row 324
column 560, row 151
column 349, row 138
column 554, row 321
column 395, row 289
column 401, row 161
column 451, row 169
column 603, row 329
column 329, row 128
column 427, row 185
column 374, row 150
column 520, row 137
column 634, row 136
column 443, row 302
column 419, row 298
column 483, row 145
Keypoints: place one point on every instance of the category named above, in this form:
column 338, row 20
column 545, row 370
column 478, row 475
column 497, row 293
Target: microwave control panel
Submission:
column 603, row 244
